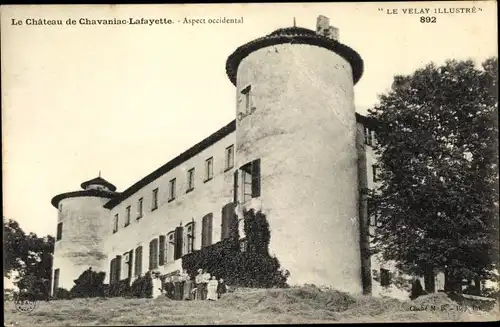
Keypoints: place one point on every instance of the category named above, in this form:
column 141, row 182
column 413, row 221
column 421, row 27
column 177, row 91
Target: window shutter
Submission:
column 193, row 233
column 178, row 243
column 130, row 261
column 235, row 187
column 209, row 228
column 256, row 178
column 225, row 223
column 162, row 250
column 112, row 271
column 151, row 255
column 138, row 261
column 118, row 267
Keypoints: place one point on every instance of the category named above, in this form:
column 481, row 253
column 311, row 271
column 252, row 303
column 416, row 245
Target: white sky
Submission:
column 126, row 99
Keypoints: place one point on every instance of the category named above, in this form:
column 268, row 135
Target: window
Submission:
column 162, row 250
column 59, row 231
column 154, row 204
column 246, row 97
column 171, row 190
column 209, row 169
column 170, row 246
column 385, row 277
column 206, row 230
column 57, row 273
column 115, row 224
column 374, row 173
column 369, row 136
column 127, row 216
column 60, row 207
column 190, row 180
column 127, row 263
column 229, row 221
column 189, row 239
column 250, row 180
column 229, row 157
column 178, row 242
column 139, row 208
column 115, row 269
column 138, row 261
column 153, row 254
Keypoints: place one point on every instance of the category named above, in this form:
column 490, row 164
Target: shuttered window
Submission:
column 206, row 233
column 129, row 256
column 59, row 231
column 255, row 178
column 228, row 217
column 118, row 268
column 189, row 238
column 153, row 254
column 162, row 250
column 170, row 246
column 179, row 231
column 138, row 261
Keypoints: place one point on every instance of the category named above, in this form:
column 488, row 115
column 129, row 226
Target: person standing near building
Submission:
column 182, row 279
column 221, row 288
column 169, row 288
column 205, row 279
column 188, row 288
column 177, row 287
column 199, row 285
column 212, row 289
column 157, row 287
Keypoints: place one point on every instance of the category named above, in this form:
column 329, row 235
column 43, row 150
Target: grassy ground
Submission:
column 296, row 305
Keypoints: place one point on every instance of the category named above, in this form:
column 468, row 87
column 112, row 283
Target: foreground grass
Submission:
column 296, row 305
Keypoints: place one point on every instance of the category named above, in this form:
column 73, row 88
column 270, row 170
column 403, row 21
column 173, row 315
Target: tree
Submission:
column 31, row 257
column 437, row 200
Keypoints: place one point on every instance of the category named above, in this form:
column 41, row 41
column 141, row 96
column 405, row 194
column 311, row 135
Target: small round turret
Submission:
column 82, row 224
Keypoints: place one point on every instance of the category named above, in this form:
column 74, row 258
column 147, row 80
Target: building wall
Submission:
column 207, row 197
column 84, row 228
column 303, row 129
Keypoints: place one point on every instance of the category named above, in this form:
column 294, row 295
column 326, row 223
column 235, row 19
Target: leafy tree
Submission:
column 31, row 257
column 437, row 201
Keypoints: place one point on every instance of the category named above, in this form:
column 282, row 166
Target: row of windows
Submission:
column 172, row 246
column 172, row 187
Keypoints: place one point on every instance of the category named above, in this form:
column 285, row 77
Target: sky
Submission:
column 125, row 99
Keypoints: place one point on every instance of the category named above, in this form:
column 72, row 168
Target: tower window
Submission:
column 139, row 208
column 209, row 169
column 246, row 97
column 154, row 204
column 127, row 216
column 60, row 207
column 229, row 157
column 250, row 180
column 59, row 231
column 374, row 173
column 171, row 190
column 190, row 180
column 115, row 223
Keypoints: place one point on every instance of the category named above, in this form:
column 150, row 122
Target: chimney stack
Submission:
column 323, row 28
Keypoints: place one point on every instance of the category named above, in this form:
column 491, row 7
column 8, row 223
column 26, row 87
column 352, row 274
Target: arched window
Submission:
column 189, row 237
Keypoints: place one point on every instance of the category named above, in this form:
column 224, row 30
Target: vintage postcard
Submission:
column 250, row 163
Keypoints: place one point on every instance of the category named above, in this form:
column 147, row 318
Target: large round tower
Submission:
column 296, row 150
column 82, row 224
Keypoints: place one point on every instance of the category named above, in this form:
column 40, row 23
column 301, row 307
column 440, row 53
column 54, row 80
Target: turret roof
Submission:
column 98, row 181
column 294, row 35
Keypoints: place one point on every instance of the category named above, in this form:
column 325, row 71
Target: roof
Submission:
column 191, row 152
column 98, row 181
column 84, row 193
column 186, row 155
column 294, row 35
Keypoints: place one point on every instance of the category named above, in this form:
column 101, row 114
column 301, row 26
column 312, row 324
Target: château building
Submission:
column 297, row 151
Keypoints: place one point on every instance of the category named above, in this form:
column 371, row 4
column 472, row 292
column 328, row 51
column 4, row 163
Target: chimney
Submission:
column 323, row 28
